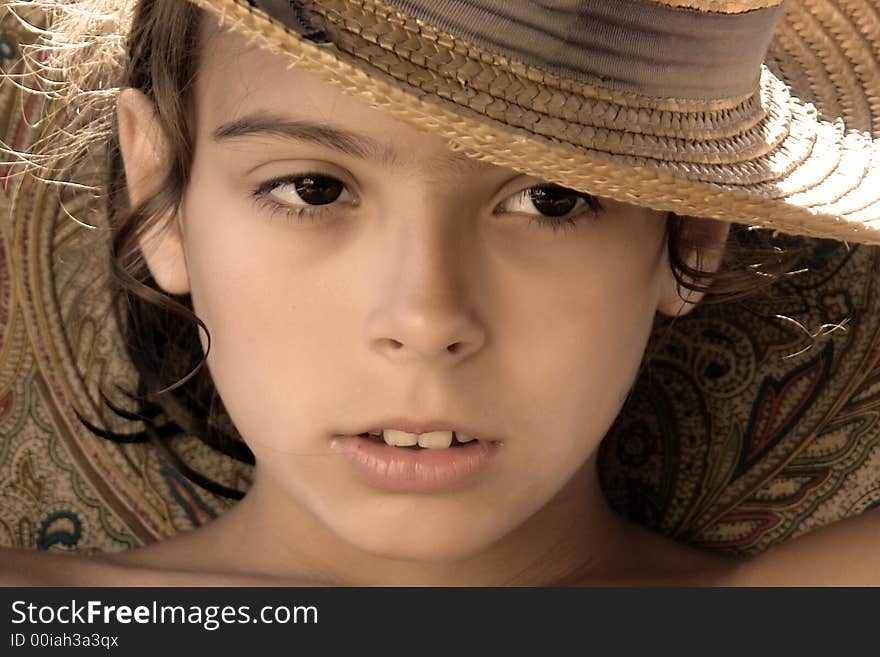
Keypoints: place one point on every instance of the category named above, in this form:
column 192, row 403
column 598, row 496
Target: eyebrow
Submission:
column 350, row 143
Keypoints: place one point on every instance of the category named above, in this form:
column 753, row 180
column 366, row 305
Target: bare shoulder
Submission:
column 844, row 553
column 31, row 568
column 643, row 557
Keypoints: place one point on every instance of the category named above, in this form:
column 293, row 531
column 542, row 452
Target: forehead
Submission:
column 237, row 80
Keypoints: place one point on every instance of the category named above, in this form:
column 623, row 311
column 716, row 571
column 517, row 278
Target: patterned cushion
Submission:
column 747, row 429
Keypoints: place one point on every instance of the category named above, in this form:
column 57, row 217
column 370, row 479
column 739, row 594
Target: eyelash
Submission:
column 314, row 213
column 261, row 196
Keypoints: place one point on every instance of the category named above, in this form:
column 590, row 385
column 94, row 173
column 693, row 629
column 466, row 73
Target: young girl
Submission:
column 425, row 244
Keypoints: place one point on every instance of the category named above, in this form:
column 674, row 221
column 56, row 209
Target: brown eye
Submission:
column 550, row 201
column 553, row 201
column 318, row 190
column 305, row 197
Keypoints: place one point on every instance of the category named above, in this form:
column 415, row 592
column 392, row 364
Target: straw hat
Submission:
column 755, row 423
column 662, row 103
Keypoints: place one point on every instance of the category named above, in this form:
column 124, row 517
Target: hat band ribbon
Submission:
column 629, row 45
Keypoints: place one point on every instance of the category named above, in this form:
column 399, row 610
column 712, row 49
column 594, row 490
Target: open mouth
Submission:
column 380, row 440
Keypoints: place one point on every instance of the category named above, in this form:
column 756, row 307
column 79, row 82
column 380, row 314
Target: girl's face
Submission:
column 424, row 285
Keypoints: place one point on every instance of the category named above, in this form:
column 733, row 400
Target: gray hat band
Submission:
column 628, row 45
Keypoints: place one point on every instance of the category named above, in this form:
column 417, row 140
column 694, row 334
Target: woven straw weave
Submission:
column 769, row 159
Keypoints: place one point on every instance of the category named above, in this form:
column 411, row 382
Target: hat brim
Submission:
column 799, row 155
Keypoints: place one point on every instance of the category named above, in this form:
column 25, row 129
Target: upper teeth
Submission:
column 430, row 440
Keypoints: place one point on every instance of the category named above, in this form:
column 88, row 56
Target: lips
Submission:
column 405, row 469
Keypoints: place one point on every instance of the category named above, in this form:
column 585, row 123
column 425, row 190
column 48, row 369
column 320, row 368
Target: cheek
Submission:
column 265, row 321
column 584, row 334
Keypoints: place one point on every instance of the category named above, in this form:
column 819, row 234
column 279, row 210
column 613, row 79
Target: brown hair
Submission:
column 160, row 57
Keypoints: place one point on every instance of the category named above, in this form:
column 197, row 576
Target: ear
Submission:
column 144, row 152
column 702, row 239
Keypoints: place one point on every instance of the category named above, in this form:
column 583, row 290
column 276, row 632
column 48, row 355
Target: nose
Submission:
column 426, row 309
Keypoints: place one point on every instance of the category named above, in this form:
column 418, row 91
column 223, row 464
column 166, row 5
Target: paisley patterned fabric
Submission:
column 749, row 428
column 753, row 422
